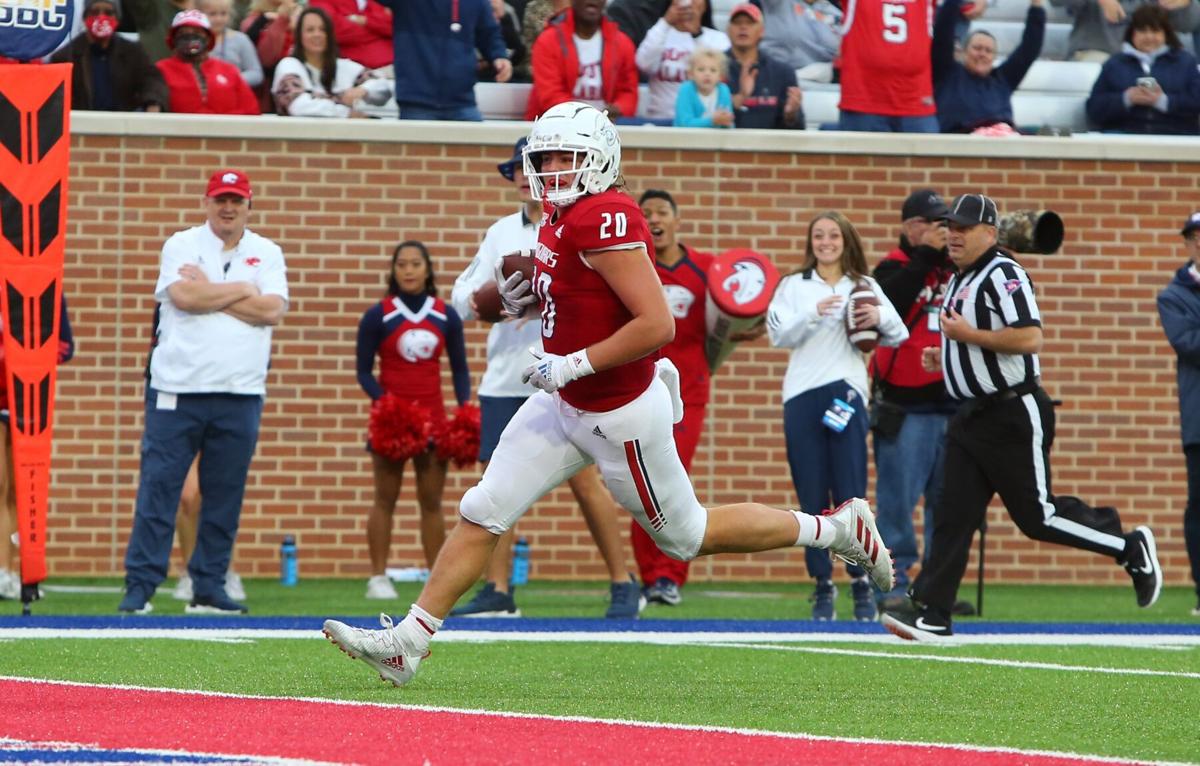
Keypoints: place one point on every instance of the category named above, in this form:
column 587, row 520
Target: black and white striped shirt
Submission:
column 994, row 293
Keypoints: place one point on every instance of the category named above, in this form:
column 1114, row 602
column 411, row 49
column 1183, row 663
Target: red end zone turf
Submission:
column 351, row 732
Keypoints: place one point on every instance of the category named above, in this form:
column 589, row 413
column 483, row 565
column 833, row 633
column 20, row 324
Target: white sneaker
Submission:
column 383, row 649
column 859, row 542
column 234, row 587
column 380, row 587
column 183, row 589
column 10, row 585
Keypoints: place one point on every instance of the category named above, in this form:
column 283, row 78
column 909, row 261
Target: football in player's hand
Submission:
column 487, row 303
column 864, row 338
column 521, row 261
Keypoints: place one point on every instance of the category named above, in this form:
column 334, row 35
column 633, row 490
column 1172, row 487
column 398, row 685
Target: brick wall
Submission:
column 338, row 196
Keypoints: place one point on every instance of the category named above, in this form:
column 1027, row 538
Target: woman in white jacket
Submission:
column 665, row 53
column 825, row 395
column 314, row 82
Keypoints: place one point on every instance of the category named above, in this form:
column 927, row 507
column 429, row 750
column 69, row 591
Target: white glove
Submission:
column 516, row 292
column 551, row 372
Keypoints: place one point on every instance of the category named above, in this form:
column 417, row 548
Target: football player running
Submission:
column 602, row 399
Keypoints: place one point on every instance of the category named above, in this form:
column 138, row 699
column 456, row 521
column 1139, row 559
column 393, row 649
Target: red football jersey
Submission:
column 886, row 66
column 410, row 354
column 686, row 287
column 578, row 307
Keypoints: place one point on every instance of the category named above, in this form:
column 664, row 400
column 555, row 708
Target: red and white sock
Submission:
column 417, row 628
column 815, row 531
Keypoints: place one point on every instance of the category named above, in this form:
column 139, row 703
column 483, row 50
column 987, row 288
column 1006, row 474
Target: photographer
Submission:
column 1152, row 85
column 911, row 408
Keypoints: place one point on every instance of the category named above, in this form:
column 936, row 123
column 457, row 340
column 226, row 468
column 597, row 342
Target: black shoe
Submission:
column 864, row 600
column 963, row 608
column 924, row 625
column 1141, row 562
column 136, row 601
column 488, row 602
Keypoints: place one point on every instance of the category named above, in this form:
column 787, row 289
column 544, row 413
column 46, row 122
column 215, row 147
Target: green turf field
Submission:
column 873, row 690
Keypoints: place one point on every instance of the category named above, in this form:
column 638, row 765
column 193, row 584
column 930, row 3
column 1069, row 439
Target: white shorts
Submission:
column 549, row 441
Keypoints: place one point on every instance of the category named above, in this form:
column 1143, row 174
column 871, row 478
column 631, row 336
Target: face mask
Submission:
column 101, row 26
column 190, row 46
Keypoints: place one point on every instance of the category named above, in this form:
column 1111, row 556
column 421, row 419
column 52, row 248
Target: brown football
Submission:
column 864, row 339
column 487, row 303
column 521, row 261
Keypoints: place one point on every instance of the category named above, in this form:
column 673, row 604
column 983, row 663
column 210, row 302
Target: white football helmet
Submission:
column 589, row 134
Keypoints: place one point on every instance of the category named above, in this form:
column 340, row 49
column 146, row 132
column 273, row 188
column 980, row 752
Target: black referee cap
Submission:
column 972, row 210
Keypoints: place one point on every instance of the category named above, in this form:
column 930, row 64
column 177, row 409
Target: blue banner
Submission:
column 30, row 29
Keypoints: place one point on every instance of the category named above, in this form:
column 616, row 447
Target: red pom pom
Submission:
column 398, row 428
column 458, row 439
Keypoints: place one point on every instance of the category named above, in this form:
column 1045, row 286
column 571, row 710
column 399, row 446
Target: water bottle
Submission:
column 520, row 563
column 288, row 571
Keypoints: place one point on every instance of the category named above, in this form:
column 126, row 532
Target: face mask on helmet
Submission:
column 593, row 146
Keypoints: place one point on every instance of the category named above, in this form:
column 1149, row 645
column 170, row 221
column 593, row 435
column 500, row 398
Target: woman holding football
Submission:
column 825, row 388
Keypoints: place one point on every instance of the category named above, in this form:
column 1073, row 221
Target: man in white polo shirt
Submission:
column 222, row 288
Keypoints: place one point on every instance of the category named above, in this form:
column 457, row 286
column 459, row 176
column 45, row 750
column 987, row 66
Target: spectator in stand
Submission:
column 582, row 56
column 435, row 64
column 704, row 101
column 1101, row 25
column 363, row 30
column 269, row 26
column 1152, row 85
column 514, row 44
column 198, row 84
column 110, row 73
column 887, row 85
column 315, row 82
column 765, row 93
column 231, row 45
column 825, row 387
column 665, row 51
column 636, row 17
column 801, row 32
column 153, row 20
column 537, row 14
column 975, row 93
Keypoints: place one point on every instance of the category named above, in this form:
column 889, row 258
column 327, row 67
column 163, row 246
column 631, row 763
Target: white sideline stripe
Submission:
column 670, row 638
column 968, row 660
column 618, row 721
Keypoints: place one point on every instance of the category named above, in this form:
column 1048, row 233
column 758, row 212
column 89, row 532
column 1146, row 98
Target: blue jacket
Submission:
column 966, row 101
column 435, row 65
column 1176, row 73
column 689, row 109
column 1179, row 309
column 764, row 108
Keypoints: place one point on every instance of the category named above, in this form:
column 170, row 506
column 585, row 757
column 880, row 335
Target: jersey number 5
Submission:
column 613, row 223
column 541, row 287
column 895, row 26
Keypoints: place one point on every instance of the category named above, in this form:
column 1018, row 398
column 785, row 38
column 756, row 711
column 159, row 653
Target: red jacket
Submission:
column 370, row 44
column 556, row 67
column 227, row 92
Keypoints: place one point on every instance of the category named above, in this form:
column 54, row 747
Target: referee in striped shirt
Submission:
column 999, row 440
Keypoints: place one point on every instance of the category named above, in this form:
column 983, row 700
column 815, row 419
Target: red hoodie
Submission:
column 556, row 67
column 227, row 92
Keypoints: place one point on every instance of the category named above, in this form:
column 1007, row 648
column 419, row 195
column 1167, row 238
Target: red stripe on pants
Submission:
column 652, row 563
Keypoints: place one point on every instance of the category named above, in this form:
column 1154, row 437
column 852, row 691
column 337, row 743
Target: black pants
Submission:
column 1004, row 447
column 1191, row 515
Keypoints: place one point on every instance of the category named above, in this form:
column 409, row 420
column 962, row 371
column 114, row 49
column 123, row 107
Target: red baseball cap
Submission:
column 751, row 10
column 228, row 182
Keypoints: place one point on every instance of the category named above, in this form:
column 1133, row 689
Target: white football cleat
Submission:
column 858, row 542
column 183, row 589
column 381, row 649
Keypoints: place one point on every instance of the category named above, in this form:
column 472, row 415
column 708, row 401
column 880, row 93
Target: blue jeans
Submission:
column 459, row 113
column 907, row 467
column 494, row 414
column 884, row 123
column 225, row 428
column 827, row 467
